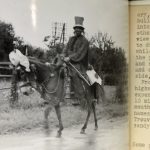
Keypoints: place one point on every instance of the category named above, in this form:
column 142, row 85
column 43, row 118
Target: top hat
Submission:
column 79, row 22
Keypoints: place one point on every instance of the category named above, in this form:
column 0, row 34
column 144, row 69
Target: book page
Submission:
column 139, row 75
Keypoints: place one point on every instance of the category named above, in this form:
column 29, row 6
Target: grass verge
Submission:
column 30, row 114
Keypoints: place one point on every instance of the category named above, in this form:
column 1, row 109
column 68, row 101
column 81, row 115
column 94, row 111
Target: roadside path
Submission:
column 111, row 135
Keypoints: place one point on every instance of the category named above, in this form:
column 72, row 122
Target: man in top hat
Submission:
column 76, row 52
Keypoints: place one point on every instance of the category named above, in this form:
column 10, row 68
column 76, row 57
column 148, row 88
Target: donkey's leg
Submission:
column 46, row 114
column 86, row 122
column 95, row 117
column 58, row 112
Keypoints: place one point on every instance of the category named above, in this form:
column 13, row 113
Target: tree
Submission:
column 102, row 41
column 109, row 62
column 6, row 40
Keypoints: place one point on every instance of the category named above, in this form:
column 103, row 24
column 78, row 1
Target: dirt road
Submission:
column 111, row 135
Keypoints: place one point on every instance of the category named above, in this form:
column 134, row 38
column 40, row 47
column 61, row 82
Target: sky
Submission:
column 32, row 19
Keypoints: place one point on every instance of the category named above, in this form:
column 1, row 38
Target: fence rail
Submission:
column 5, row 65
column 5, row 76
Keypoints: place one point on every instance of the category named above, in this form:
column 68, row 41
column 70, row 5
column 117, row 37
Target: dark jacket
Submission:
column 77, row 51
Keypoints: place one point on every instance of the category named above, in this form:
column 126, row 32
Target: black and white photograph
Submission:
column 64, row 75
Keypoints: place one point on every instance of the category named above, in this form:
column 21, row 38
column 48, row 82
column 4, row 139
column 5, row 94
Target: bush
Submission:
column 111, row 79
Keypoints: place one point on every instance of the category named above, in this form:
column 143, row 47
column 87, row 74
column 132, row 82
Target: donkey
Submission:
column 50, row 80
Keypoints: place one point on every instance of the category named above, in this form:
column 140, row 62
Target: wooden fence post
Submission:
column 14, row 93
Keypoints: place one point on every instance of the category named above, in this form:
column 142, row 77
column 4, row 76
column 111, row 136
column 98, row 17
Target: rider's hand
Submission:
column 66, row 59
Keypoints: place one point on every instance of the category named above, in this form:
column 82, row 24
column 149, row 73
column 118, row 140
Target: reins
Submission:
column 79, row 73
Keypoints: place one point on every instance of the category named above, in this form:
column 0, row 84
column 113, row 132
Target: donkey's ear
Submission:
column 33, row 67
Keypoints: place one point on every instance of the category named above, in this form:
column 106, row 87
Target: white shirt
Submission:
column 16, row 58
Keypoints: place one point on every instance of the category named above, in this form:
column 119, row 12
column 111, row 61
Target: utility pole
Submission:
column 63, row 33
column 14, row 88
column 58, row 33
column 55, row 33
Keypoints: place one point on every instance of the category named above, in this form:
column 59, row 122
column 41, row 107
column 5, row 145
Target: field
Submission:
column 28, row 114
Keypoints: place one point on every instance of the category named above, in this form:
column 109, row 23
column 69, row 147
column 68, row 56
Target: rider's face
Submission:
column 78, row 31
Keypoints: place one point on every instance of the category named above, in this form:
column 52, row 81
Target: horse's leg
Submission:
column 46, row 114
column 86, row 122
column 95, row 117
column 57, row 108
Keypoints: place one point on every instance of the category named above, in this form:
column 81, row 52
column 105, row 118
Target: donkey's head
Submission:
column 28, row 80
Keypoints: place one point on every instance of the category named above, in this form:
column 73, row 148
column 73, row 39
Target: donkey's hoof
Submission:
column 58, row 134
column 46, row 126
column 47, row 132
column 96, row 128
column 82, row 131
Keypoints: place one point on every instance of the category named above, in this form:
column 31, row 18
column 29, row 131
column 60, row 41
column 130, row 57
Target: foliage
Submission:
column 109, row 62
column 6, row 39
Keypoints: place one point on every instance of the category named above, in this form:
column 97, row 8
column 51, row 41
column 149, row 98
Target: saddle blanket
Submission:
column 93, row 77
